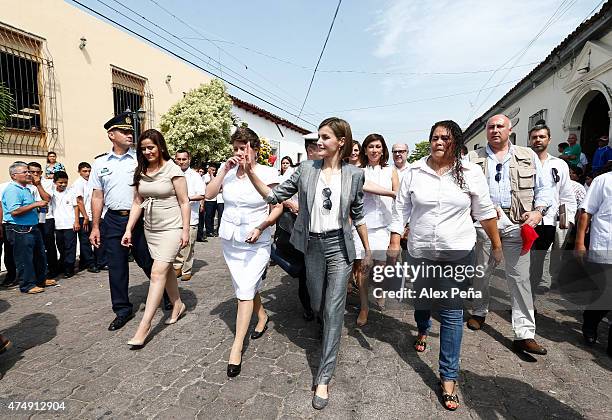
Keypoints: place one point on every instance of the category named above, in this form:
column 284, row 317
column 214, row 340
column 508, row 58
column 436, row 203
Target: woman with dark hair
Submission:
column 353, row 158
column 441, row 195
column 161, row 190
column 53, row 165
column 330, row 195
column 286, row 168
column 246, row 238
column 374, row 157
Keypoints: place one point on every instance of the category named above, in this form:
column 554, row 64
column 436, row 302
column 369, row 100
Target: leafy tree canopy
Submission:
column 420, row 150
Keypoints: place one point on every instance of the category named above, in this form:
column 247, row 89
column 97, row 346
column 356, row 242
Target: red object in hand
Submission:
column 529, row 235
column 272, row 160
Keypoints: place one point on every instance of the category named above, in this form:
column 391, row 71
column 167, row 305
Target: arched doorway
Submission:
column 595, row 123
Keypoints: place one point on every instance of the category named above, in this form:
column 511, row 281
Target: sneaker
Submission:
column 34, row 290
column 93, row 269
column 50, row 282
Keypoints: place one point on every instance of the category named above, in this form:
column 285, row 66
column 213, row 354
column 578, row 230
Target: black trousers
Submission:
column 201, row 217
column 9, row 259
column 86, row 256
column 220, row 207
column 66, row 240
column 292, row 254
column 53, row 268
column 210, row 207
column 112, row 230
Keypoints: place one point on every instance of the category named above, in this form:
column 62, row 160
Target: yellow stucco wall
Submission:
column 83, row 77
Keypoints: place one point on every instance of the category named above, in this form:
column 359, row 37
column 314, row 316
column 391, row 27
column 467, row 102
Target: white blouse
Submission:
column 244, row 208
column 439, row 212
column 598, row 203
column 321, row 219
column 377, row 210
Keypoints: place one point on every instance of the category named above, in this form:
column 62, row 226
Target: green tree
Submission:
column 6, row 108
column 200, row 123
column 421, row 149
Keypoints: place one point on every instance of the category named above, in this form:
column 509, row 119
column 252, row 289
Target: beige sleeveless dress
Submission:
column 163, row 223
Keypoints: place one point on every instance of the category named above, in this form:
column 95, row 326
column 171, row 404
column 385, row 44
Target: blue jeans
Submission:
column 29, row 254
column 450, row 309
column 451, row 332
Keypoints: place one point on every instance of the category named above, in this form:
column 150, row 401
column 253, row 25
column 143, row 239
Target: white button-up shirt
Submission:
column 113, row 174
column 440, row 213
column 501, row 191
column 62, row 204
column 195, row 186
column 81, row 188
column 599, row 204
column 562, row 190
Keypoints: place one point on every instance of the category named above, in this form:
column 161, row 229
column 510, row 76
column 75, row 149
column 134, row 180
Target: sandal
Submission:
column 448, row 399
column 420, row 342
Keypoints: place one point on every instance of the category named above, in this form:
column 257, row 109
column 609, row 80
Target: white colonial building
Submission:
column 571, row 90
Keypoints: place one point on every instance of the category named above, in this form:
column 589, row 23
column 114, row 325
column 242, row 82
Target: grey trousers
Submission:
column 517, row 278
column 327, row 271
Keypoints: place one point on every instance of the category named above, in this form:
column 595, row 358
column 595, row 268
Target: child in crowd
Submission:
column 66, row 212
column 82, row 193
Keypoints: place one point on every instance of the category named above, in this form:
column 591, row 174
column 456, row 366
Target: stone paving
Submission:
column 63, row 352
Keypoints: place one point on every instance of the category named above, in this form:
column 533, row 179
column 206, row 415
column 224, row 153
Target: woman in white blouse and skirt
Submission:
column 246, row 237
column 441, row 195
column 377, row 209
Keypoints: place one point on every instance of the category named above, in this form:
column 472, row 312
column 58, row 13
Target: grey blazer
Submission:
column 304, row 181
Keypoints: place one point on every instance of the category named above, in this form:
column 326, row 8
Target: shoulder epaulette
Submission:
column 101, row 154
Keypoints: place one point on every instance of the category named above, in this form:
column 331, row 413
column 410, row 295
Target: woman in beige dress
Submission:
column 161, row 191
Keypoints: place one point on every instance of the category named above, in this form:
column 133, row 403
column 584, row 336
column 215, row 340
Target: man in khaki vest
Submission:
column 520, row 190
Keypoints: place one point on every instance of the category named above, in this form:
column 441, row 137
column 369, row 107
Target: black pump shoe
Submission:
column 257, row 334
column 234, row 370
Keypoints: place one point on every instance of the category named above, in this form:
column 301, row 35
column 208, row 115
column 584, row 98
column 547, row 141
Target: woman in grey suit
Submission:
column 330, row 194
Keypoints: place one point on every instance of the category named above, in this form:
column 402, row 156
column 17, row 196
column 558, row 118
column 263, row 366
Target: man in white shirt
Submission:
column 195, row 191
column 400, row 158
column 598, row 213
column 521, row 191
column 556, row 223
column 210, row 206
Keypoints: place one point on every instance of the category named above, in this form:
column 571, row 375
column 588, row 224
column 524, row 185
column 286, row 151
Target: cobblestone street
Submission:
column 64, row 352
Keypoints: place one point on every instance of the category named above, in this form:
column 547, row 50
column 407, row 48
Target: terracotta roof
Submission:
column 268, row 115
column 605, row 13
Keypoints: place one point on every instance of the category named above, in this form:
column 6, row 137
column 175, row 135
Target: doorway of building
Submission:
column 595, row 123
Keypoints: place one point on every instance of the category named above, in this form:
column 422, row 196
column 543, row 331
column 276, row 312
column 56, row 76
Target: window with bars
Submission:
column 27, row 75
column 130, row 91
column 540, row 115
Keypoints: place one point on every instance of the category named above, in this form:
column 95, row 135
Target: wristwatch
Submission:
column 542, row 210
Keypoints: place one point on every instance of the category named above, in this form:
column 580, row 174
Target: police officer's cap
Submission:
column 122, row 121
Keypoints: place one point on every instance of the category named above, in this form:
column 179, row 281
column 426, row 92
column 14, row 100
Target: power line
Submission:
column 412, row 101
column 320, row 56
column 236, row 75
column 374, row 73
column 188, row 61
column 518, row 55
column 213, row 42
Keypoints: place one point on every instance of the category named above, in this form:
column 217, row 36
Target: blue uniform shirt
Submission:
column 14, row 197
column 113, row 174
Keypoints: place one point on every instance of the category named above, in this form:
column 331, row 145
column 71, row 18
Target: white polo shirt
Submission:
column 62, row 205
column 598, row 203
column 81, row 188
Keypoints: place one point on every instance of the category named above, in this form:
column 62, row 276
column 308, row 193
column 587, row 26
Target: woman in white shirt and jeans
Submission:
column 440, row 196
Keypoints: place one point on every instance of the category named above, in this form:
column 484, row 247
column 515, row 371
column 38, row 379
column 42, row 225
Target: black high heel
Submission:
column 234, row 370
column 257, row 334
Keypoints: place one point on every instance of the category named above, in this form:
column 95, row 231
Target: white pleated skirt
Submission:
column 247, row 264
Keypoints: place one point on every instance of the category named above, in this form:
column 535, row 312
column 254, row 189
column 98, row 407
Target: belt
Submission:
column 123, row 213
column 328, row 234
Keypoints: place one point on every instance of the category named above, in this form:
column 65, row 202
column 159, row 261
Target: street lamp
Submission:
column 138, row 119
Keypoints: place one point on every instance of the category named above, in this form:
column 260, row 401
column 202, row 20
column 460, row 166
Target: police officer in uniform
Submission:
column 111, row 179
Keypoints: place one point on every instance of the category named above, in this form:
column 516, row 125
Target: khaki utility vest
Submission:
column 522, row 178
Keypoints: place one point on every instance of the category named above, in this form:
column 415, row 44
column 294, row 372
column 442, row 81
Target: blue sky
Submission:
column 380, row 55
